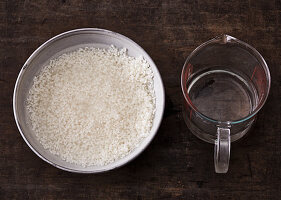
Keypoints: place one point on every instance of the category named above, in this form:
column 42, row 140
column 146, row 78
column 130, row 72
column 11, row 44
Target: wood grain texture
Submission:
column 176, row 165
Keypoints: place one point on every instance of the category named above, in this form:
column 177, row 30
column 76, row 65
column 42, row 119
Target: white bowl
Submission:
column 58, row 45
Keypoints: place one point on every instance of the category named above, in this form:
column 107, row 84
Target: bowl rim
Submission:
column 36, row 52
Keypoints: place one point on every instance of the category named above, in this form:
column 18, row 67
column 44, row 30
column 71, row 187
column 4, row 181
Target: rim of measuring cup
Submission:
column 227, row 39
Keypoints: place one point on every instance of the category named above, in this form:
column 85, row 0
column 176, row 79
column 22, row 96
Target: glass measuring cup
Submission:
column 225, row 82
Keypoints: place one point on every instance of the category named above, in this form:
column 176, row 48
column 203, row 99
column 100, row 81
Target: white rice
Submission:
column 92, row 106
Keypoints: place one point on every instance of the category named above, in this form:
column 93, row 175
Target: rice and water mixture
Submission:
column 92, row 106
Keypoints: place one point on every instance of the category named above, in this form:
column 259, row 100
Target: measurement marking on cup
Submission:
column 190, row 69
column 188, row 72
column 254, row 72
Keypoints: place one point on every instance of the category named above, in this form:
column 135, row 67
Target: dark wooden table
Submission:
column 176, row 165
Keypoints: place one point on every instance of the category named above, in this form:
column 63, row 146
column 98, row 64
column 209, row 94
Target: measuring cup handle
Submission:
column 222, row 150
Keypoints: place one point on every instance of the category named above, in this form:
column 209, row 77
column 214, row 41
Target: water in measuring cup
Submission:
column 222, row 95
